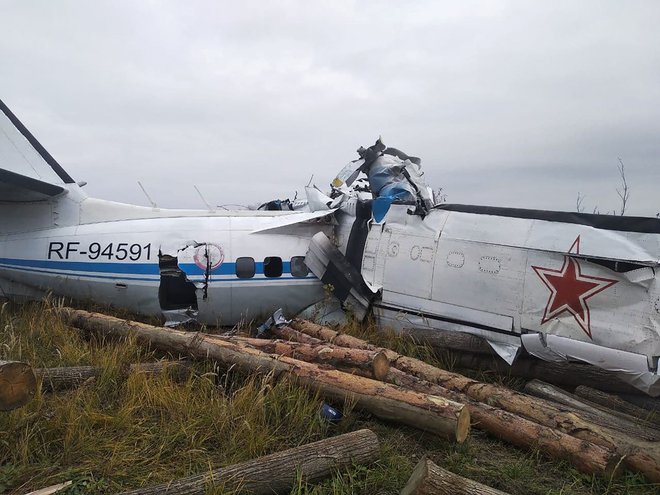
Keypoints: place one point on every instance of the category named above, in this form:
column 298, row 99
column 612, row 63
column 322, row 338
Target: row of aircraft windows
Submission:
column 246, row 267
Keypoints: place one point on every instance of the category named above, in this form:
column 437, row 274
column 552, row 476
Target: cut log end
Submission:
column 381, row 366
column 18, row 385
column 417, row 479
column 463, row 425
column 430, row 479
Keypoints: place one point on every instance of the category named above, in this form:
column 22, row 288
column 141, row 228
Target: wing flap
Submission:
column 17, row 187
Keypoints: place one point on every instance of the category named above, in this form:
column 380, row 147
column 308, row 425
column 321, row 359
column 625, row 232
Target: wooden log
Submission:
column 449, row 340
column 446, row 418
column 591, row 411
column 642, row 456
column 563, row 374
column 587, row 457
column 332, row 336
column 293, row 335
column 62, row 378
column 322, row 353
column 643, row 401
column 18, row 384
column 616, row 404
column 430, row 479
column 277, row 473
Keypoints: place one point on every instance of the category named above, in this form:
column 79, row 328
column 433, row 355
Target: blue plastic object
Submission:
column 331, row 414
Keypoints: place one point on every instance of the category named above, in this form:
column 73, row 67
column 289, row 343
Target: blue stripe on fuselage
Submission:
column 115, row 270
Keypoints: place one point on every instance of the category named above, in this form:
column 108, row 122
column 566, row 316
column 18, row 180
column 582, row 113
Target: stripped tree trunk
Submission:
column 616, row 404
column 322, row 353
column 53, row 379
column 591, row 411
column 643, row 401
column 446, row 418
column 332, row 336
column 293, row 335
column 18, row 385
column 277, row 473
column 430, row 479
column 449, row 341
column 564, row 374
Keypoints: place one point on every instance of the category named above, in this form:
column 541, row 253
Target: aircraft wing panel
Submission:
column 272, row 225
column 27, row 171
column 18, row 188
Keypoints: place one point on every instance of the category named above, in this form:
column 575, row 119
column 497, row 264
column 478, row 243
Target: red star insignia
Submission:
column 570, row 289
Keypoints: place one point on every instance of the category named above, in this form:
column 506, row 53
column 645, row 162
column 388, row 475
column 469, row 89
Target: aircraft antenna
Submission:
column 203, row 199
column 153, row 204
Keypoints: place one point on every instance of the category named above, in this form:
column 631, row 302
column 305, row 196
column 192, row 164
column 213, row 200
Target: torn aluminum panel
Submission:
column 332, row 268
column 629, row 367
column 277, row 319
column 316, row 200
column 177, row 295
column 275, row 224
column 394, row 177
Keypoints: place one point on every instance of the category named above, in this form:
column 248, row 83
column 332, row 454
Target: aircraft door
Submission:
column 375, row 254
column 409, row 263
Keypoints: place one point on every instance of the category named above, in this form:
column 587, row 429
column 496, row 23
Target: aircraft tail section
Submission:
column 27, row 171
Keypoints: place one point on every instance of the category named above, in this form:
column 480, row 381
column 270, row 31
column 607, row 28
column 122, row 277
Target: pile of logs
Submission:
column 596, row 432
column 319, row 366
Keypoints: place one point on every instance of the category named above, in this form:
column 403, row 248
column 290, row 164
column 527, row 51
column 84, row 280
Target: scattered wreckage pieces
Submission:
column 616, row 404
column 375, row 361
column 18, row 384
column 430, row 479
column 448, row 419
column 62, row 378
column 279, row 472
column 640, row 455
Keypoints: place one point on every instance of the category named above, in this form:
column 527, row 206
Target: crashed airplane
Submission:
column 562, row 286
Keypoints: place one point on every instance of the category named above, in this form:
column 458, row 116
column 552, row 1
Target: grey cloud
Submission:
column 511, row 103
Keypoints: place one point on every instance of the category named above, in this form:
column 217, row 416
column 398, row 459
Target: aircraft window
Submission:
column 298, row 267
column 245, row 267
column 273, row 266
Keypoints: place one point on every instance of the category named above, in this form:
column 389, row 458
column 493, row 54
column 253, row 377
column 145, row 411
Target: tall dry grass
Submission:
column 122, row 431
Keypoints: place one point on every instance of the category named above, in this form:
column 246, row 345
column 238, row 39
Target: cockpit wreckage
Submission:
column 559, row 286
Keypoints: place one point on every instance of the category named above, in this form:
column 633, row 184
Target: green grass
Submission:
column 123, row 431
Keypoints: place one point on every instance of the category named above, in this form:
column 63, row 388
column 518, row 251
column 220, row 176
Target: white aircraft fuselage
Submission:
column 218, row 268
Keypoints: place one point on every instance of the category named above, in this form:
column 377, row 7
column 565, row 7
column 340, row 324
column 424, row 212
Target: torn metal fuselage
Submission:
column 562, row 286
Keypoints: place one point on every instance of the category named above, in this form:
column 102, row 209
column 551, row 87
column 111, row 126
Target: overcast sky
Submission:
column 520, row 104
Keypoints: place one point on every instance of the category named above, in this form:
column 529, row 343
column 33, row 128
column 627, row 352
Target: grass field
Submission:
column 122, row 431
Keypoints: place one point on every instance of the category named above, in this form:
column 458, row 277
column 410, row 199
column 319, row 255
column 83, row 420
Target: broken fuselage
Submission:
column 562, row 286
